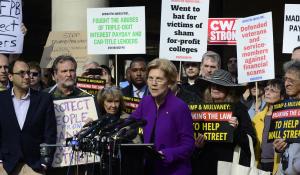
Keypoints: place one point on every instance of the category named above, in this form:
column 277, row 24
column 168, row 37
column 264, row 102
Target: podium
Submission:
column 133, row 157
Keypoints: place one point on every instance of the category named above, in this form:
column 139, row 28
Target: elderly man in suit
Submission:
column 27, row 120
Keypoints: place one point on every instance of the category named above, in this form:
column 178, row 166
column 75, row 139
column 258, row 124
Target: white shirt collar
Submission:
column 23, row 98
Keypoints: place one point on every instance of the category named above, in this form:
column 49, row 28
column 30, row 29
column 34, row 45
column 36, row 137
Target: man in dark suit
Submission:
column 27, row 120
column 137, row 87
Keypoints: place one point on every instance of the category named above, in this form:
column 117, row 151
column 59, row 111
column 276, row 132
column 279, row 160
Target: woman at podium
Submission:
column 169, row 122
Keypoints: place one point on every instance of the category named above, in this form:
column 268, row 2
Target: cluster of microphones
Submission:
column 106, row 129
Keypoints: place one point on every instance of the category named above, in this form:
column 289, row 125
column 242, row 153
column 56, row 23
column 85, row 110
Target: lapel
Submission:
column 32, row 107
column 11, row 110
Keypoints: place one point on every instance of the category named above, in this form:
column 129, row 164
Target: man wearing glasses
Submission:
column 35, row 76
column 290, row 159
column 26, row 121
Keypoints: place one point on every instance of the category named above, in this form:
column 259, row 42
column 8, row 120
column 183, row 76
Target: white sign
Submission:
column 291, row 31
column 255, row 49
column 11, row 36
column 117, row 30
column 71, row 114
column 183, row 33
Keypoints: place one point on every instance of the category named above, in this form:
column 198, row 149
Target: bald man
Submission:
column 4, row 84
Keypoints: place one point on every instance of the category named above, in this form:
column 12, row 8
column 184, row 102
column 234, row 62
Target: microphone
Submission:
column 129, row 132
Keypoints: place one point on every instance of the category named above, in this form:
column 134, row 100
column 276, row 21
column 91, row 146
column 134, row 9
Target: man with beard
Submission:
column 137, row 87
column 64, row 69
column 4, row 83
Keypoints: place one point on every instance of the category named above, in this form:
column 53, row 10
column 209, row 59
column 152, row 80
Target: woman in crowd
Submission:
column 169, row 122
column 220, row 89
column 274, row 92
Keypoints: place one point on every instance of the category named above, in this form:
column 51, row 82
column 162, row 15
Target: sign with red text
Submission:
column 285, row 123
column 71, row 114
column 11, row 36
column 116, row 30
column 183, row 33
column 291, row 30
column 255, row 50
column 211, row 120
column 222, row 31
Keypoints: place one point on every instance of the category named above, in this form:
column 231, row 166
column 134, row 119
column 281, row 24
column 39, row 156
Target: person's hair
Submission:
column 296, row 48
column 231, row 95
column 12, row 65
column 34, row 65
column 214, row 56
column 138, row 59
column 110, row 92
column 89, row 62
column 292, row 66
column 61, row 59
column 279, row 84
column 166, row 66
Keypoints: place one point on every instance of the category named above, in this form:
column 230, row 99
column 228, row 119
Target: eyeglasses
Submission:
column 156, row 80
column 4, row 67
column 272, row 90
column 22, row 73
column 293, row 81
column 34, row 74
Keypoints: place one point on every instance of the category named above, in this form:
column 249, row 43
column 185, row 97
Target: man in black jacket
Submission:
column 27, row 120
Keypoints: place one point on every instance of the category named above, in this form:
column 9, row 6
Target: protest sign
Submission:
column 211, row 120
column 285, row 121
column 131, row 103
column 291, row 30
column 64, row 43
column 255, row 50
column 116, row 30
column 71, row 114
column 183, row 33
column 91, row 85
column 11, row 36
column 222, row 31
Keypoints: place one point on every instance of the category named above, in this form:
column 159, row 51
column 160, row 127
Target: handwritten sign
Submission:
column 285, row 121
column 71, row 114
column 291, row 29
column 222, row 31
column 91, row 85
column 131, row 103
column 211, row 120
column 117, row 30
column 255, row 49
column 11, row 36
column 183, row 34
column 65, row 43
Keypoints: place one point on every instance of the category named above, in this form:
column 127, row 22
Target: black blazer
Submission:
column 128, row 91
column 18, row 145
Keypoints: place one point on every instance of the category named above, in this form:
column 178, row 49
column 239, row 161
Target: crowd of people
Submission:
column 28, row 119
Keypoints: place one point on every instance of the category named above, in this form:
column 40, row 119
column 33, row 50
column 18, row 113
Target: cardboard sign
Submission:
column 11, row 36
column 291, row 30
column 222, row 31
column 65, row 43
column 117, row 30
column 71, row 114
column 285, row 121
column 211, row 120
column 255, row 50
column 92, row 86
column 183, row 34
column 131, row 103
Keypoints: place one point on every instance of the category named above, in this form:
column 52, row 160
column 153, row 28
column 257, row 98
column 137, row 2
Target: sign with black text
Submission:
column 285, row 121
column 183, row 33
column 211, row 120
column 11, row 36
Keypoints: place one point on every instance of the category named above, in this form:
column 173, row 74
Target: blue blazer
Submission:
column 18, row 145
